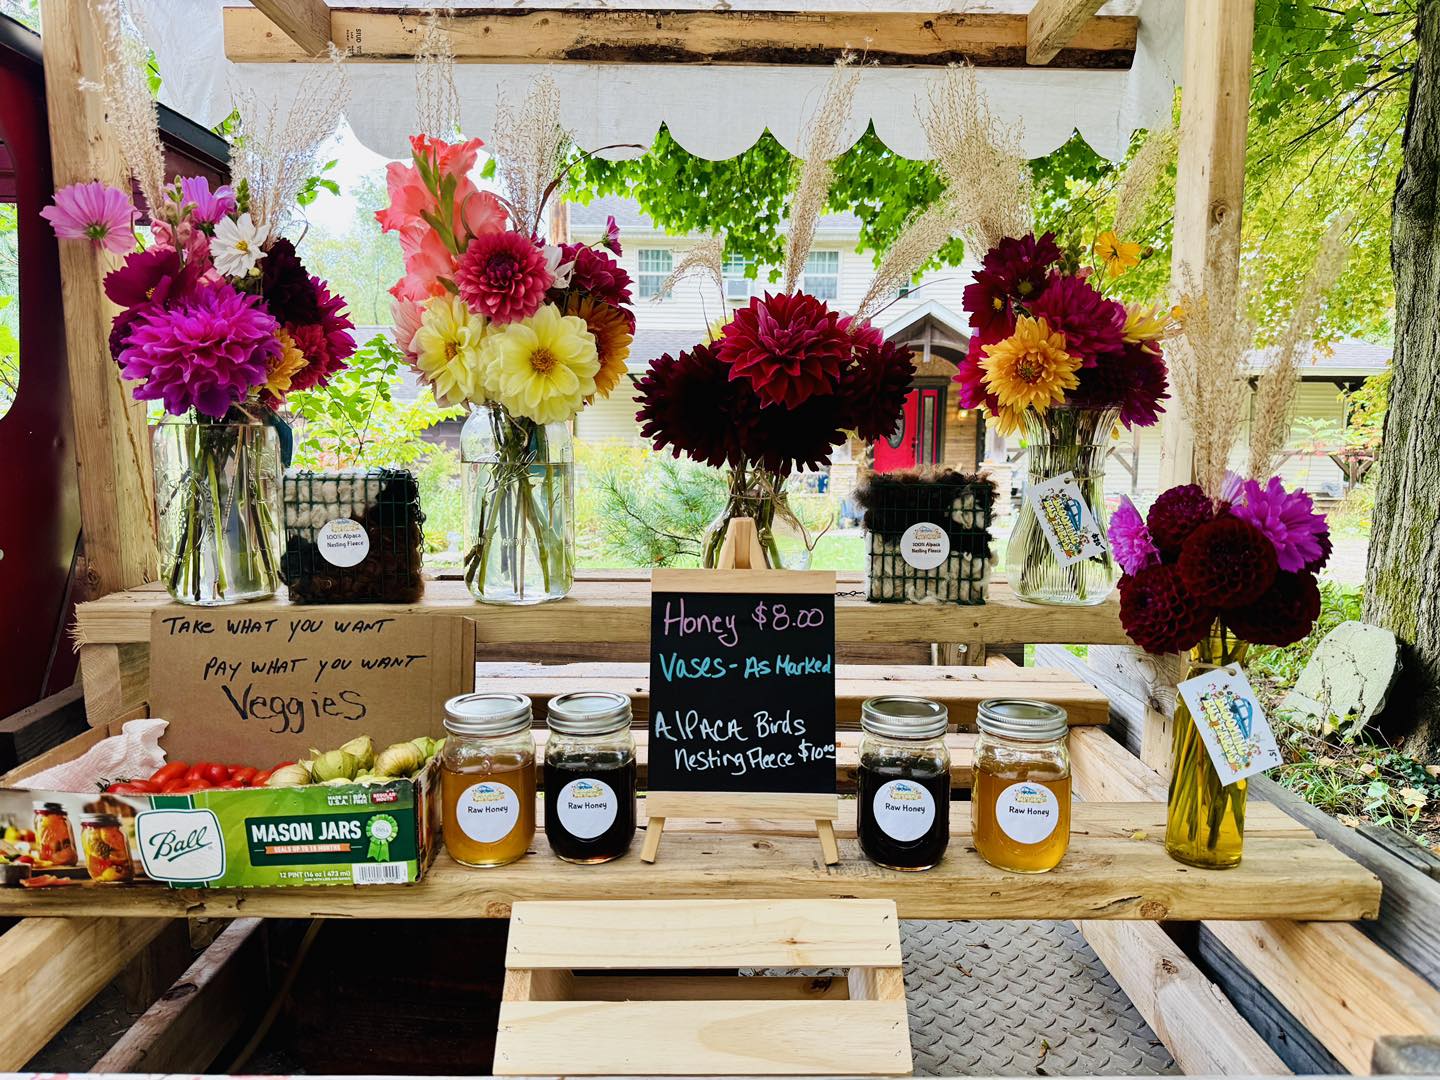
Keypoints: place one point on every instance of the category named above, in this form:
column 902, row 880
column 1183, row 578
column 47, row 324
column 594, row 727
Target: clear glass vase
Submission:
column 759, row 494
column 1074, row 440
column 1204, row 819
column 217, row 508
column 520, row 507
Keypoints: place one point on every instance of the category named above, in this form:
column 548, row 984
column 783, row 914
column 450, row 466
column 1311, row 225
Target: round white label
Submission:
column 487, row 811
column 343, row 542
column 1027, row 813
column 924, row 545
column 587, row 808
column 904, row 810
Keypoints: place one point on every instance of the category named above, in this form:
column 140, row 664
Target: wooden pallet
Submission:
column 566, row 1012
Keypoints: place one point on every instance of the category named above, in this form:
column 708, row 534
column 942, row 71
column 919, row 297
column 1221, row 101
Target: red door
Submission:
column 916, row 438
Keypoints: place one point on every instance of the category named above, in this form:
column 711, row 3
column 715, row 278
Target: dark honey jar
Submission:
column 904, row 782
column 589, row 776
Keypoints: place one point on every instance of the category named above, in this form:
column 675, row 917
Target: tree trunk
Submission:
column 1402, row 580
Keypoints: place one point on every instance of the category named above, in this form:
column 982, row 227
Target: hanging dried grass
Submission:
column 437, row 101
column 982, row 160
column 276, row 154
column 132, row 116
column 1275, row 389
column 817, row 171
column 705, row 259
column 923, row 235
column 1139, row 184
column 529, row 146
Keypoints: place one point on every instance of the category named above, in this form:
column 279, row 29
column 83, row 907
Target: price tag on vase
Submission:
column 1231, row 722
column 1065, row 520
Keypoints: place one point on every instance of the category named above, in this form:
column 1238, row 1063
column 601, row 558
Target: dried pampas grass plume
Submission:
column 131, row 113
column 1135, row 194
column 437, row 101
column 705, row 259
column 529, row 147
column 923, row 235
column 817, row 172
column 1275, row 389
column 981, row 159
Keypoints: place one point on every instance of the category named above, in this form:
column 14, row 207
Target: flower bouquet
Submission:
column 1055, row 359
column 524, row 333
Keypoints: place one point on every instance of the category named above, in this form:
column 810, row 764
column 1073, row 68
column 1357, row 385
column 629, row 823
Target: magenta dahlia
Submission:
column 206, row 352
column 1129, row 539
column 1177, row 513
column 600, row 277
column 690, row 404
column 970, row 379
column 1159, row 613
column 1023, row 264
column 503, row 276
column 788, row 347
column 1287, row 518
column 873, row 387
column 1227, row 563
column 1092, row 325
column 1283, row 615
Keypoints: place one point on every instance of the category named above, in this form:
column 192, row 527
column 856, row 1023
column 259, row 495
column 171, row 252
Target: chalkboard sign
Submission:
column 742, row 681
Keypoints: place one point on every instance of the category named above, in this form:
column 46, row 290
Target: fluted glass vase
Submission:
column 759, row 494
column 1060, row 440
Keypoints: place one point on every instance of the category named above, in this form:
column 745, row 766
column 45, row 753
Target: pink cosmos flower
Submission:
column 503, row 276
column 1287, row 518
column 611, row 239
column 1130, row 539
column 96, row 212
column 209, row 206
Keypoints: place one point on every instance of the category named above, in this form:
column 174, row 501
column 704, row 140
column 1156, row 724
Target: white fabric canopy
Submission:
column 712, row 111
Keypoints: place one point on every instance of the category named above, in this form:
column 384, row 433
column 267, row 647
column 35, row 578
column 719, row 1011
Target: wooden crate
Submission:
column 566, row 1012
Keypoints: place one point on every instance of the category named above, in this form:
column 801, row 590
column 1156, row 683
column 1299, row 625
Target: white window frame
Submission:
column 738, row 287
column 814, row 276
column 649, row 279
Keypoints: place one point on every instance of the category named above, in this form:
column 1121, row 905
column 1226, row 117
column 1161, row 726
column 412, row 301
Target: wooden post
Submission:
column 112, row 447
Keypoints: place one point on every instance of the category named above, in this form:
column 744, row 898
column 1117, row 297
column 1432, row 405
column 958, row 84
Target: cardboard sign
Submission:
column 1231, row 722
column 742, row 681
column 291, row 678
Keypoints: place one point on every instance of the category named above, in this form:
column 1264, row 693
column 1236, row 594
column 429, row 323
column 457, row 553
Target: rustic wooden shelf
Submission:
column 1116, row 869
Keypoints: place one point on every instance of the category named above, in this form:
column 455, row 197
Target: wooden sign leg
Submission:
column 653, row 830
column 829, row 849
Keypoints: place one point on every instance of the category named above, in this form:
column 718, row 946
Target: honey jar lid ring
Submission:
column 589, row 712
column 487, row 713
column 1022, row 719
column 901, row 716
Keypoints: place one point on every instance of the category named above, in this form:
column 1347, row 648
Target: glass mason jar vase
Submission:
column 1074, row 440
column 759, row 494
column 1204, row 819
column 217, row 509
column 520, row 507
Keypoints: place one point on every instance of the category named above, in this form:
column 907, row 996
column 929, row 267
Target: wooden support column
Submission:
column 112, row 446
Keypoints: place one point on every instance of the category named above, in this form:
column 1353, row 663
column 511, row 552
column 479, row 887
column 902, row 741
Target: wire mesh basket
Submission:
column 927, row 536
column 353, row 537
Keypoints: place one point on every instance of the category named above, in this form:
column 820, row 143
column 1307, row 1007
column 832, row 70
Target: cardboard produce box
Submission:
column 239, row 696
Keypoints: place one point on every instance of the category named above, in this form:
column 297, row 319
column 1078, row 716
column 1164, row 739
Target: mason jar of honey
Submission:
column 903, row 789
column 589, row 776
column 54, row 839
column 487, row 779
column 1020, row 803
column 107, row 852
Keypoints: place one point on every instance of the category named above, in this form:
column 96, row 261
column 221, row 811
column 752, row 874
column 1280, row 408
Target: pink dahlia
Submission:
column 599, row 277
column 789, row 346
column 1289, row 520
column 1091, row 324
column 206, row 352
column 1130, row 539
column 1132, row 380
column 96, row 212
column 503, row 276
column 970, row 379
column 405, row 314
column 327, row 344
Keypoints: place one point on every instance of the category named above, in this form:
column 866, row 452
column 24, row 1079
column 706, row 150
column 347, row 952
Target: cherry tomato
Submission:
column 181, row 786
column 197, row 771
column 229, row 785
column 133, row 787
column 166, row 773
column 260, row 778
column 216, row 774
column 245, row 774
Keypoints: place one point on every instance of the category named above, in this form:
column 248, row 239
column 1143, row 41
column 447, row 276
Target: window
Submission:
column 655, row 267
column 822, row 275
column 737, row 284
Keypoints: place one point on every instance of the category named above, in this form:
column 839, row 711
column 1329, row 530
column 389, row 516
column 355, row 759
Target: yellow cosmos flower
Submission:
column 449, row 350
column 1116, row 255
column 1028, row 370
column 1145, row 324
column 282, row 369
column 544, row 367
column 612, row 339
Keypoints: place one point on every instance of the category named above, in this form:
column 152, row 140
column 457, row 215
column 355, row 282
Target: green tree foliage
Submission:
column 644, row 509
column 9, row 307
column 361, row 263
column 1365, row 423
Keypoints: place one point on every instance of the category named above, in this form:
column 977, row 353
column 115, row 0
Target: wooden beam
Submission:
column 305, row 22
column 1210, row 177
column 614, row 36
column 112, row 446
column 1053, row 24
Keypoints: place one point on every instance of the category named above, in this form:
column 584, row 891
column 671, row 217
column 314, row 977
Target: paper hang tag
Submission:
column 1231, row 722
column 1065, row 519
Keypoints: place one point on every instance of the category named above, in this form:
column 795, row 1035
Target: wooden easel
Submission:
column 741, row 550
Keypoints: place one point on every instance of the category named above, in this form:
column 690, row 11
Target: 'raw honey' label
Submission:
column 904, row 810
column 1027, row 813
column 487, row 811
column 587, row 808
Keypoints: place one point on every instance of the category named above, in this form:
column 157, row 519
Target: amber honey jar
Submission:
column 903, row 786
column 107, row 851
column 589, row 776
column 54, row 839
column 487, row 779
column 1020, row 803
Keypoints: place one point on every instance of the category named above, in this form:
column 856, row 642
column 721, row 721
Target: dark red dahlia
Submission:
column 1283, row 615
column 987, row 299
column 600, row 277
column 689, row 403
column 1227, row 563
column 1315, row 565
column 873, row 388
column 785, row 440
column 1132, row 380
column 788, row 347
column 288, row 288
column 503, row 276
column 1159, row 613
column 1023, row 264
column 1175, row 515
column 327, row 343
column 1092, row 325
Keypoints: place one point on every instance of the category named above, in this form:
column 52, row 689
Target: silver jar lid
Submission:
column 487, row 714
column 588, row 712
column 1019, row 718
column 898, row 716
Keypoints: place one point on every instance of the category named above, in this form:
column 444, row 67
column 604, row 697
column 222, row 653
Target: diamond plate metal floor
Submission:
column 1019, row 998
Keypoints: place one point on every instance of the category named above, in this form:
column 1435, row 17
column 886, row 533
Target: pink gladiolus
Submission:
column 406, row 316
column 96, row 212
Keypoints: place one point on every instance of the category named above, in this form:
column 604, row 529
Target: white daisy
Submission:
column 235, row 248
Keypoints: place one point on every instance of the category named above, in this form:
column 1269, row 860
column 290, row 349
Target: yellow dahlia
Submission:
column 449, row 350
column 284, row 366
column 1116, row 255
column 1145, row 325
column 1029, row 369
column 612, row 339
column 543, row 367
